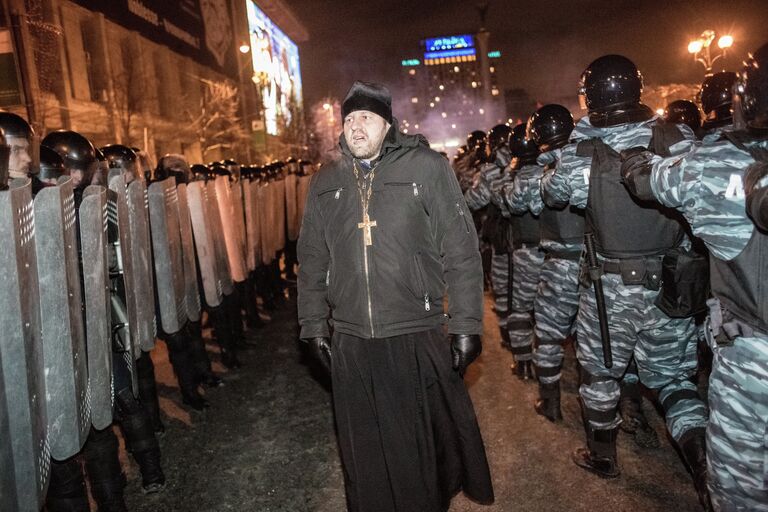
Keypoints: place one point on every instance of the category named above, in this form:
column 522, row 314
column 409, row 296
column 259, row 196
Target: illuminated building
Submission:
column 137, row 71
column 451, row 87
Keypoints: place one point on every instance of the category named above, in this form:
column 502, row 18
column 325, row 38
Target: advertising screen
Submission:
column 276, row 70
column 449, row 46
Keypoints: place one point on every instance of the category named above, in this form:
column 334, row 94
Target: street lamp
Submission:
column 700, row 48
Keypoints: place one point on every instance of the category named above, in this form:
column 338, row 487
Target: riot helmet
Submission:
column 143, row 163
column 19, row 137
column 683, row 112
column 233, row 167
column 476, row 139
column 550, row 127
column 753, row 90
column 716, row 98
column 610, row 83
column 201, row 172
column 122, row 159
column 218, row 168
column 522, row 149
column 78, row 153
column 101, row 176
column 51, row 165
column 498, row 136
column 174, row 165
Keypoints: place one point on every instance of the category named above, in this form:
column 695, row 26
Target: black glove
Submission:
column 320, row 347
column 636, row 172
column 465, row 349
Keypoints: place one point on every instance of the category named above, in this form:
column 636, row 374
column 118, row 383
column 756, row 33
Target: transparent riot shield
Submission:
column 191, row 290
column 61, row 312
column 121, row 293
column 291, row 207
column 219, row 244
column 169, row 264
column 280, row 215
column 205, row 240
column 95, row 269
column 264, row 223
column 24, row 448
column 251, row 231
column 230, row 228
column 141, row 253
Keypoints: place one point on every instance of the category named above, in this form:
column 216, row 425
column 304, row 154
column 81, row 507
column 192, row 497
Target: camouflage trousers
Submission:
column 526, row 267
column 737, row 434
column 500, row 285
column 664, row 349
column 555, row 308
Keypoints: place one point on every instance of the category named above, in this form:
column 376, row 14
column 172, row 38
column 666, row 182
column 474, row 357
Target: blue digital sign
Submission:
column 445, row 54
column 436, row 44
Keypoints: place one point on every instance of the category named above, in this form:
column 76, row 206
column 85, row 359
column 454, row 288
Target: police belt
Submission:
column 643, row 270
column 724, row 327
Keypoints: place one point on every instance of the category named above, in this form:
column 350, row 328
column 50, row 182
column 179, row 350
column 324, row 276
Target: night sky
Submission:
column 546, row 44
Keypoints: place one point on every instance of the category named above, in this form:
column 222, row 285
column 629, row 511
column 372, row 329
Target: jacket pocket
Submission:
column 460, row 211
column 336, row 191
column 415, row 188
column 421, row 281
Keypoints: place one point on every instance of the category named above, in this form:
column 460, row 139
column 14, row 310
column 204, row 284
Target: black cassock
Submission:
column 407, row 430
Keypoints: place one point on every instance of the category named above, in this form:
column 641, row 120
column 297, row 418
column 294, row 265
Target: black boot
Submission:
column 599, row 456
column 232, row 307
column 504, row 337
column 224, row 337
column 104, row 472
column 694, row 448
column 140, row 441
column 523, row 370
column 633, row 418
column 180, row 355
column 548, row 404
column 66, row 490
column 252, row 317
column 204, row 374
column 148, row 391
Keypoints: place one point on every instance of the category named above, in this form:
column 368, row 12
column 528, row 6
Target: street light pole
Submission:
column 700, row 49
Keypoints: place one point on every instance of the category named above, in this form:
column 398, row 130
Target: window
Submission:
column 94, row 61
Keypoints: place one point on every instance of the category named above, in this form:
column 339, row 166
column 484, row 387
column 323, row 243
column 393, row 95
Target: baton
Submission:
column 595, row 273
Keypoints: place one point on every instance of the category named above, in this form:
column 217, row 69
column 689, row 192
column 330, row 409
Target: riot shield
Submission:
column 279, row 215
column 239, row 220
column 230, row 228
column 141, row 253
column 302, row 189
column 24, row 448
column 191, row 290
column 250, row 231
column 255, row 223
column 224, row 273
column 64, row 355
column 93, row 246
column 205, row 240
column 291, row 207
column 264, row 223
column 121, row 293
column 166, row 245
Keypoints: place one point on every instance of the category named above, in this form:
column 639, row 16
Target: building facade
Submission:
column 166, row 76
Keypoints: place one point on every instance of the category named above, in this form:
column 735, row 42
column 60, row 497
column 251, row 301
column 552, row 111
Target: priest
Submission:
column 390, row 302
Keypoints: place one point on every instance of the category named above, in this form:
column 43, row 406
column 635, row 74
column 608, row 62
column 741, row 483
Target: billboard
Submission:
column 200, row 29
column 276, row 70
column 449, row 46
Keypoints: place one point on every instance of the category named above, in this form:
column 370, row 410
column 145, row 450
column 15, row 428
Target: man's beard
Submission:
column 365, row 152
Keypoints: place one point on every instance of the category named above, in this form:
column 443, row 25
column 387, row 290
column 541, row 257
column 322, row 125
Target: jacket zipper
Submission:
column 405, row 184
column 422, row 281
column 460, row 210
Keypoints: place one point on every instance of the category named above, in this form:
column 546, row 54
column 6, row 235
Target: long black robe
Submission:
column 407, row 430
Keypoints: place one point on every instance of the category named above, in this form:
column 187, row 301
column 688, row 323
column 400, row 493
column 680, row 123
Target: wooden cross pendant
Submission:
column 366, row 226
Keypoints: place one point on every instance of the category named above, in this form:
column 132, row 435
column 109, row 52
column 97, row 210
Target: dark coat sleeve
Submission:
column 757, row 207
column 457, row 242
column 314, row 258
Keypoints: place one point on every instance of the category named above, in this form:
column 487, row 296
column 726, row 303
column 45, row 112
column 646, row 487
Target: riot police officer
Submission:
column 683, row 112
column 713, row 187
column 626, row 242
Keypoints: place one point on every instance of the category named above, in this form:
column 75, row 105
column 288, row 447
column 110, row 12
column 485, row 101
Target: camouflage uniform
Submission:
column 480, row 196
column 465, row 169
column 706, row 187
column 527, row 261
column 664, row 348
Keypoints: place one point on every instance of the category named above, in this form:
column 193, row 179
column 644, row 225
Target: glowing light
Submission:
column 695, row 46
column 725, row 41
column 474, row 85
column 453, row 126
column 410, row 62
column 481, row 110
column 414, row 100
column 494, row 92
column 411, row 71
column 455, row 69
column 441, row 87
column 509, row 121
column 431, row 104
column 244, row 48
column 327, row 106
column 416, row 127
column 444, row 115
column 452, row 143
column 660, row 111
column 405, row 130
column 437, row 98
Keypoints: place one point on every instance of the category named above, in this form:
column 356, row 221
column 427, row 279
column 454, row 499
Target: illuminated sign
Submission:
column 436, row 44
column 410, row 62
column 464, row 52
column 494, row 54
column 275, row 70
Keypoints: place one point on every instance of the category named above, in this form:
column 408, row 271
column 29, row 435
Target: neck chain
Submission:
column 365, row 190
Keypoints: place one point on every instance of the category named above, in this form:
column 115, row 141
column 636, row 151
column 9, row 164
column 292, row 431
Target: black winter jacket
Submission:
column 424, row 248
